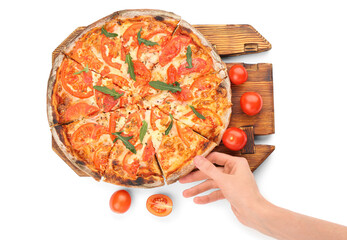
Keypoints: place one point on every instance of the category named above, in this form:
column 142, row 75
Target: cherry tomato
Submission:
column 120, row 201
column 234, row 138
column 251, row 103
column 238, row 74
column 159, row 205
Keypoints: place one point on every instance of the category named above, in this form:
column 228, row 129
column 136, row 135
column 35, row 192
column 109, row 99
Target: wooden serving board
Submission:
column 231, row 40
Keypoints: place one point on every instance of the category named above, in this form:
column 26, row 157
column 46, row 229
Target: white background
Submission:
column 41, row 198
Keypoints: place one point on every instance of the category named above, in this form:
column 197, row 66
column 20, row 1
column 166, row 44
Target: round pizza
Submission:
column 135, row 96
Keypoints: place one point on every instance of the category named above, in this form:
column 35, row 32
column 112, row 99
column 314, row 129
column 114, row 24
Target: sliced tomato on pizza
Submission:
column 73, row 94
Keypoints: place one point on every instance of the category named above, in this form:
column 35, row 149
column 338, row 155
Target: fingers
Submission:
column 206, row 167
column 196, row 176
column 212, row 197
column 200, row 188
column 222, row 158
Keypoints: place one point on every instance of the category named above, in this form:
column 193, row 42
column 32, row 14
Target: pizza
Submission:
column 135, row 96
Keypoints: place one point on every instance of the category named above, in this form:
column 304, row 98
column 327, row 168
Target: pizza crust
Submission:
column 52, row 114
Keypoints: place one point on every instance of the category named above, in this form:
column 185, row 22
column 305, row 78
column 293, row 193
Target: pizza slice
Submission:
column 70, row 91
column 132, row 160
column 175, row 144
column 86, row 143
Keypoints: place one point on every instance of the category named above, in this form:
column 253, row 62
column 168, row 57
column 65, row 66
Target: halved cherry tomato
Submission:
column 110, row 49
column 251, row 103
column 238, row 74
column 172, row 49
column 199, row 65
column 79, row 110
column 234, row 138
column 159, row 205
column 78, row 85
column 120, row 201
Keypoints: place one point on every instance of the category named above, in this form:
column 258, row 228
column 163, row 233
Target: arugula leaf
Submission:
column 167, row 131
column 189, row 57
column 108, row 34
column 125, row 140
column 86, row 69
column 144, row 41
column 108, row 91
column 131, row 71
column 199, row 115
column 143, row 130
column 175, row 87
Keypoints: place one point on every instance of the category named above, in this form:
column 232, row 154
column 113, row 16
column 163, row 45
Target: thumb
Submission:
column 205, row 166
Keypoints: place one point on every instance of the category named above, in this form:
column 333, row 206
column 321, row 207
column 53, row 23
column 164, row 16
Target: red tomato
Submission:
column 120, row 201
column 79, row 110
column 251, row 103
column 149, row 151
column 172, row 49
column 86, row 133
column 132, row 32
column 172, row 75
column 199, row 65
column 159, row 205
column 130, row 165
column 78, row 85
column 234, row 138
column 238, row 74
column 100, row 157
column 143, row 75
column 109, row 50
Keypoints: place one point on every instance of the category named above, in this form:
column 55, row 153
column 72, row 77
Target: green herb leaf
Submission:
column 108, row 34
column 167, row 131
column 143, row 130
column 199, row 115
column 175, row 87
column 131, row 71
column 108, row 91
column 144, row 41
column 86, row 69
column 125, row 140
column 189, row 57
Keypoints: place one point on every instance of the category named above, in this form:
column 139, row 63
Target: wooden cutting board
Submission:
column 231, row 40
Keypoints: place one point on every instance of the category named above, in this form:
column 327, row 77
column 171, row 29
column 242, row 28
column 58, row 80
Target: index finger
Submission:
column 221, row 158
